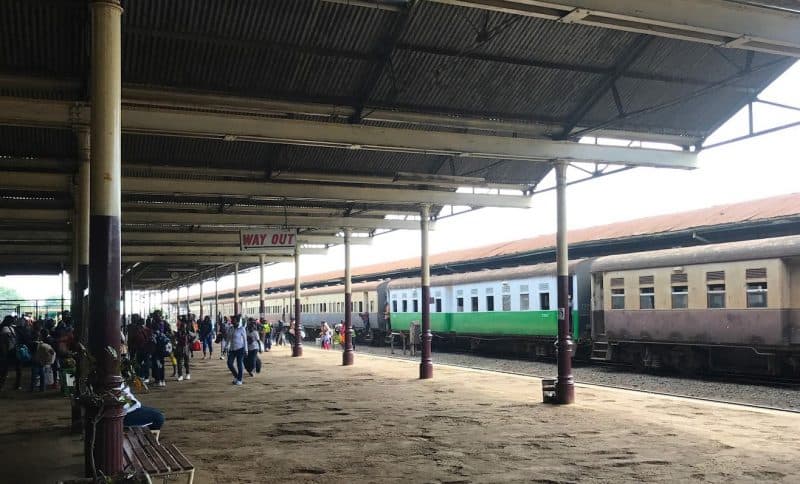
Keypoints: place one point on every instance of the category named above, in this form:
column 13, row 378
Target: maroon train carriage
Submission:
column 723, row 307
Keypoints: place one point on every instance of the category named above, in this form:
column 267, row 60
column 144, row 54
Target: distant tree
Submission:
column 7, row 293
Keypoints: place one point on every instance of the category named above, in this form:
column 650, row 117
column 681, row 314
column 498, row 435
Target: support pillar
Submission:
column 297, row 348
column 262, row 307
column 426, row 366
column 565, row 385
column 104, row 446
column 200, row 317
column 216, row 298
column 347, row 356
column 236, row 288
column 82, row 207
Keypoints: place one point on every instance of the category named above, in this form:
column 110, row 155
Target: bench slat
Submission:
column 143, row 437
column 182, row 460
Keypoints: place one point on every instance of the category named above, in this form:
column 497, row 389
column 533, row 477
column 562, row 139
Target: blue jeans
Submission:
column 37, row 369
column 208, row 342
column 237, row 355
column 143, row 359
column 144, row 417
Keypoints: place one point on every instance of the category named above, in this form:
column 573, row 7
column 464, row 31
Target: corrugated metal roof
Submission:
column 763, row 209
column 449, row 59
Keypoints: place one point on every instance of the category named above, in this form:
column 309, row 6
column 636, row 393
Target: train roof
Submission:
column 520, row 272
column 778, row 247
column 338, row 289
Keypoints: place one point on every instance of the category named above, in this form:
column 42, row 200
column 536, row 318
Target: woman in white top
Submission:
column 137, row 415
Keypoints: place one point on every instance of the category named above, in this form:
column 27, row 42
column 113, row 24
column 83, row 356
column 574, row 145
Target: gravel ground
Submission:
column 776, row 397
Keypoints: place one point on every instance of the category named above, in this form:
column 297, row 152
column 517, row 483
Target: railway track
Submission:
column 774, row 394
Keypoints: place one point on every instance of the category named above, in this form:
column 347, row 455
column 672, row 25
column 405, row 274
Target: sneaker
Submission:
column 221, row 358
column 188, row 376
column 162, row 383
column 180, row 378
column 237, row 382
column 234, row 381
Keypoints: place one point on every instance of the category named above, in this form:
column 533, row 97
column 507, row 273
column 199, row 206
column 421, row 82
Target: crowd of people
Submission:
column 42, row 344
column 148, row 345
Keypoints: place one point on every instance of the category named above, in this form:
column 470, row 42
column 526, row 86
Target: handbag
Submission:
column 196, row 346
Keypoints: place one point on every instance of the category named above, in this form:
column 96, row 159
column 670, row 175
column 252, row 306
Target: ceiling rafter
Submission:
column 625, row 61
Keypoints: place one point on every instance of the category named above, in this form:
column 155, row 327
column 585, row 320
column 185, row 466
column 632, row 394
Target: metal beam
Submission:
column 387, row 45
column 313, row 191
column 140, row 119
column 181, row 218
column 205, row 250
column 418, row 115
column 712, row 22
column 221, row 238
column 201, row 260
column 606, row 84
column 190, row 218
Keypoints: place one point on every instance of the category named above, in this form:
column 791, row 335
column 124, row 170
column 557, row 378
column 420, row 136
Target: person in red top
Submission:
column 140, row 346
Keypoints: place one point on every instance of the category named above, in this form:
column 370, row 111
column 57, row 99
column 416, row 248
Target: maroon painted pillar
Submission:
column 347, row 356
column 236, row 307
column 297, row 347
column 426, row 365
column 81, row 264
column 104, row 247
column 565, row 385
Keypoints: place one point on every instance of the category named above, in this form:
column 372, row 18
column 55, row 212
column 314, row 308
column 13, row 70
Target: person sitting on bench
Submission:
column 138, row 415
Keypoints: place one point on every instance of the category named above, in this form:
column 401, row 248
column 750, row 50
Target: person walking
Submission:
column 206, row 337
column 253, row 362
column 184, row 337
column 267, row 335
column 224, row 330
column 237, row 347
column 8, row 352
column 280, row 339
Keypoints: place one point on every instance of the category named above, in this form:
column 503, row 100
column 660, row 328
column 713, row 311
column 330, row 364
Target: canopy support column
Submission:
column 82, row 209
column 565, row 385
column 236, row 307
column 347, row 356
column 216, row 298
column 200, row 316
column 297, row 347
column 426, row 366
column 262, row 308
column 104, row 444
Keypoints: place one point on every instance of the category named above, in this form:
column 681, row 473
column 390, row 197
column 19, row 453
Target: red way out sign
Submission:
column 257, row 240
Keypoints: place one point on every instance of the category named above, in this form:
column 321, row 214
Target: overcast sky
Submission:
column 746, row 170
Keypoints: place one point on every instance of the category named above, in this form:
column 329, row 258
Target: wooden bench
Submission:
column 143, row 452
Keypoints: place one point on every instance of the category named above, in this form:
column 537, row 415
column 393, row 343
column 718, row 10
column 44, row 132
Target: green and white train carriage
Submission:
column 519, row 303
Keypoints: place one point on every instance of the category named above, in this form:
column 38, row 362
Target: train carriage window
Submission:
column 438, row 305
column 415, row 306
column 544, row 301
column 474, row 304
column 490, row 303
column 360, row 306
column 756, row 294
column 647, row 298
column 680, row 297
column 506, row 302
column 405, row 306
column 716, row 296
column 459, row 304
column 394, row 306
column 372, row 306
column 618, row 299
column 524, row 302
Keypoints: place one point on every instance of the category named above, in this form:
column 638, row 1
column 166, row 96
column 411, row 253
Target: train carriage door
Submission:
column 598, row 323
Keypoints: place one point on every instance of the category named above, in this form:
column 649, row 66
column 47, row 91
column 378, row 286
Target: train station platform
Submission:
column 311, row 420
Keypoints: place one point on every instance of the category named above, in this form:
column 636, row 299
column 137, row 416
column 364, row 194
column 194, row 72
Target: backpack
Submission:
column 23, row 354
column 163, row 344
